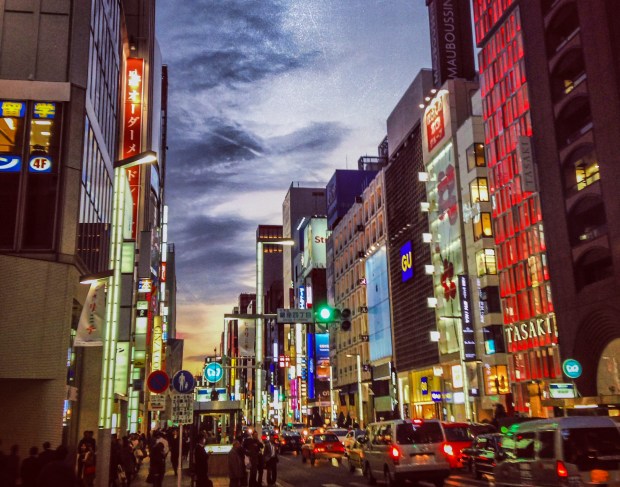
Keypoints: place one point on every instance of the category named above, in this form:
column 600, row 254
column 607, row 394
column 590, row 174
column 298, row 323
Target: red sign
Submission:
column 132, row 129
column 434, row 121
column 158, row 382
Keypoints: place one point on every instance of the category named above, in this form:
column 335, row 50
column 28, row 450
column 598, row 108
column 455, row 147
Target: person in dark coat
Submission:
column 270, row 457
column 47, row 455
column 236, row 465
column 12, row 465
column 173, row 444
column 128, row 459
column 253, row 449
column 30, row 469
column 58, row 472
column 201, row 462
column 157, row 467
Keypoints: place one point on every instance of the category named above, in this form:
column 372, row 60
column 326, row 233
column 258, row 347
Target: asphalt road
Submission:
column 293, row 473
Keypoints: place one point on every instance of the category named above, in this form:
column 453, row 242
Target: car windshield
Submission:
column 457, row 433
column 325, row 438
column 411, row 433
column 591, row 448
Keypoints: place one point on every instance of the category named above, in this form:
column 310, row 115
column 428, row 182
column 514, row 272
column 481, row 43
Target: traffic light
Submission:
column 345, row 319
column 326, row 314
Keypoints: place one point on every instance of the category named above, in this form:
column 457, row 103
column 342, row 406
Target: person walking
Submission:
column 253, row 449
column 128, row 460
column 85, row 465
column 173, row 444
column 30, row 468
column 47, row 455
column 270, row 458
column 157, row 467
column 201, row 462
column 236, row 465
column 12, row 465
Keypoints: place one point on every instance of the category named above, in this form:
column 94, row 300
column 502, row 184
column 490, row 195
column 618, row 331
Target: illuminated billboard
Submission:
column 378, row 304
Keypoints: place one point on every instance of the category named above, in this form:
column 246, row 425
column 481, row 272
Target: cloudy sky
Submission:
column 263, row 93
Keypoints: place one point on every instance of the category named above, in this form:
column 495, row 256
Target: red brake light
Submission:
column 417, row 421
column 448, row 450
column 560, row 469
column 395, row 453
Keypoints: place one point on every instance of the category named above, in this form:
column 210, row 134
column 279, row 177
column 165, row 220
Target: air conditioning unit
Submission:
column 360, row 228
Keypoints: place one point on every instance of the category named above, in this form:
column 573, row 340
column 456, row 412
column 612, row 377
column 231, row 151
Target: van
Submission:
column 401, row 449
column 570, row 451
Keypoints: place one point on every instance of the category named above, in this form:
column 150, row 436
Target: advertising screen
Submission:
column 378, row 303
column 322, row 356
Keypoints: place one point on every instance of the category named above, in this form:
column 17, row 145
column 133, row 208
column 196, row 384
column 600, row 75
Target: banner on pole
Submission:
column 92, row 319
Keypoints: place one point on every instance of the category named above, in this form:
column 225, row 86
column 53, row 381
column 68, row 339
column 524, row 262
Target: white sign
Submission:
column 562, row 391
column 295, row 316
column 182, row 408
column 158, row 402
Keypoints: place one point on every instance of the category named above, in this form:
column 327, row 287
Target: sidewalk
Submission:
column 169, row 479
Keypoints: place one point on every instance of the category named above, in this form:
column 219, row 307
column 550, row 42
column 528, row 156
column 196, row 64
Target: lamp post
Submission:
column 106, row 400
column 260, row 300
column 359, row 386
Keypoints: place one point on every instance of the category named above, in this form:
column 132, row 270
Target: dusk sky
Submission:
column 263, row 93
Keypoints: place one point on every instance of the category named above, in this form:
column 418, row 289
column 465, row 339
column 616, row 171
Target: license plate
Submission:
column 422, row 459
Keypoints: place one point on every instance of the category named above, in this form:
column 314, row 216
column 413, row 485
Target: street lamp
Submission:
column 260, row 298
column 359, row 386
column 106, row 400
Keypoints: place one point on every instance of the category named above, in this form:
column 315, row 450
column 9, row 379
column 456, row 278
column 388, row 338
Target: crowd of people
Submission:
column 249, row 451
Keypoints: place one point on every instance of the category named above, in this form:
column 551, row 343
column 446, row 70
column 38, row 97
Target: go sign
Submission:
column 213, row 372
column 571, row 368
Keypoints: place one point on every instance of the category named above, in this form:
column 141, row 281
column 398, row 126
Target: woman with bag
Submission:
column 86, row 465
column 270, row 457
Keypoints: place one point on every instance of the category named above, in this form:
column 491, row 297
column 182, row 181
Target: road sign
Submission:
column 183, row 381
column 562, row 391
column 158, row 382
column 571, row 368
column 157, row 402
column 213, row 372
column 286, row 315
column 182, row 408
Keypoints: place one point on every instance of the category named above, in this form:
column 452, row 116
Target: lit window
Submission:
column 482, row 226
column 586, row 171
column 475, row 156
column 486, row 263
column 479, row 190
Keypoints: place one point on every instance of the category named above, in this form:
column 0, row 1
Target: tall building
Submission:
column 551, row 106
column 63, row 101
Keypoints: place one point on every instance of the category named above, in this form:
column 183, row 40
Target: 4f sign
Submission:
column 406, row 261
column 571, row 368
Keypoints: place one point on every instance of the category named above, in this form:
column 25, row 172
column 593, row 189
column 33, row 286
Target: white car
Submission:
column 341, row 433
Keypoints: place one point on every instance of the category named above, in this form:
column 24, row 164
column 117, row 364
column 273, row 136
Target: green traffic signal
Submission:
column 327, row 314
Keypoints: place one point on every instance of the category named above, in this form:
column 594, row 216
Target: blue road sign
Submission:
column 183, row 381
column 213, row 372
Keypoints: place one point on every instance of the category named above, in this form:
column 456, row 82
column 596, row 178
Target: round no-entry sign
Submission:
column 158, row 382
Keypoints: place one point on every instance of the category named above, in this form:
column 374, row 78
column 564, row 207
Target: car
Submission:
column 481, row 457
column 457, row 437
column 573, row 450
column 290, row 441
column 341, row 433
column 273, row 433
column 405, row 449
column 322, row 446
column 351, row 438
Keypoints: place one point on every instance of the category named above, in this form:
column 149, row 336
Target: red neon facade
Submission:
column 531, row 334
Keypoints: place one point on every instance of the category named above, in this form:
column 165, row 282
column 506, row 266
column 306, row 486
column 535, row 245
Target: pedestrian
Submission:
column 58, row 472
column 270, row 457
column 173, row 444
column 157, row 467
column 186, row 446
column 12, row 466
column 253, row 449
column 236, row 465
column 30, row 469
column 47, row 455
column 88, row 437
column 115, row 456
column 201, row 463
column 128, row 460
column 86, row 465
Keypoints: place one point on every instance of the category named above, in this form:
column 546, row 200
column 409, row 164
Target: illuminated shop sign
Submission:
column 44, row 110
column 10, row 163
column 469, row 339
column 496, row 379
column 531, row 334
column 302, row 297
column 434, row 123
column 132, row 129
column 406, row 261
column 15, row 109
column 424, row 386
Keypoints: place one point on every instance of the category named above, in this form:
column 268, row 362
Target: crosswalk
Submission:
column 453, row 481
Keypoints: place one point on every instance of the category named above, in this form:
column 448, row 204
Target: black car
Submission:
column 484, row 453
column 290, row 441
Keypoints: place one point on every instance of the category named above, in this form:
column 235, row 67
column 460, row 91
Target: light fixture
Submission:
column 428, row 98
column 431, row 302
column 422, row 105
column 429, row 269
column 427, row 237
column 433, row 91
column 435, row 336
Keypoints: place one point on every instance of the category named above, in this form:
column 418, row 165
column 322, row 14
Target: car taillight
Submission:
column 318, row 449
column 283, row 441
column 448, row 450
column 395, row 453
column 561, row 470
column 417, row 421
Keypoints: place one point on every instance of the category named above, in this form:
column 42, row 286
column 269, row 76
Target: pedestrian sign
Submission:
column 182, row 408
column 158, row 382
column 213, row 372
column 183, row 381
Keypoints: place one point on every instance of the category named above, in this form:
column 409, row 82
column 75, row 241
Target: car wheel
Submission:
column 312, row 460
column 368, row 474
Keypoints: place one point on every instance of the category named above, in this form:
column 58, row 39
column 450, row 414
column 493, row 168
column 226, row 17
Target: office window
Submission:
column 486, row 263
column 475, row 156
column 479, row 190
column 482, row 226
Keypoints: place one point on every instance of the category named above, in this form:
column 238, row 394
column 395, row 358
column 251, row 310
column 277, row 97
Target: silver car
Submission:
column 405, row 449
